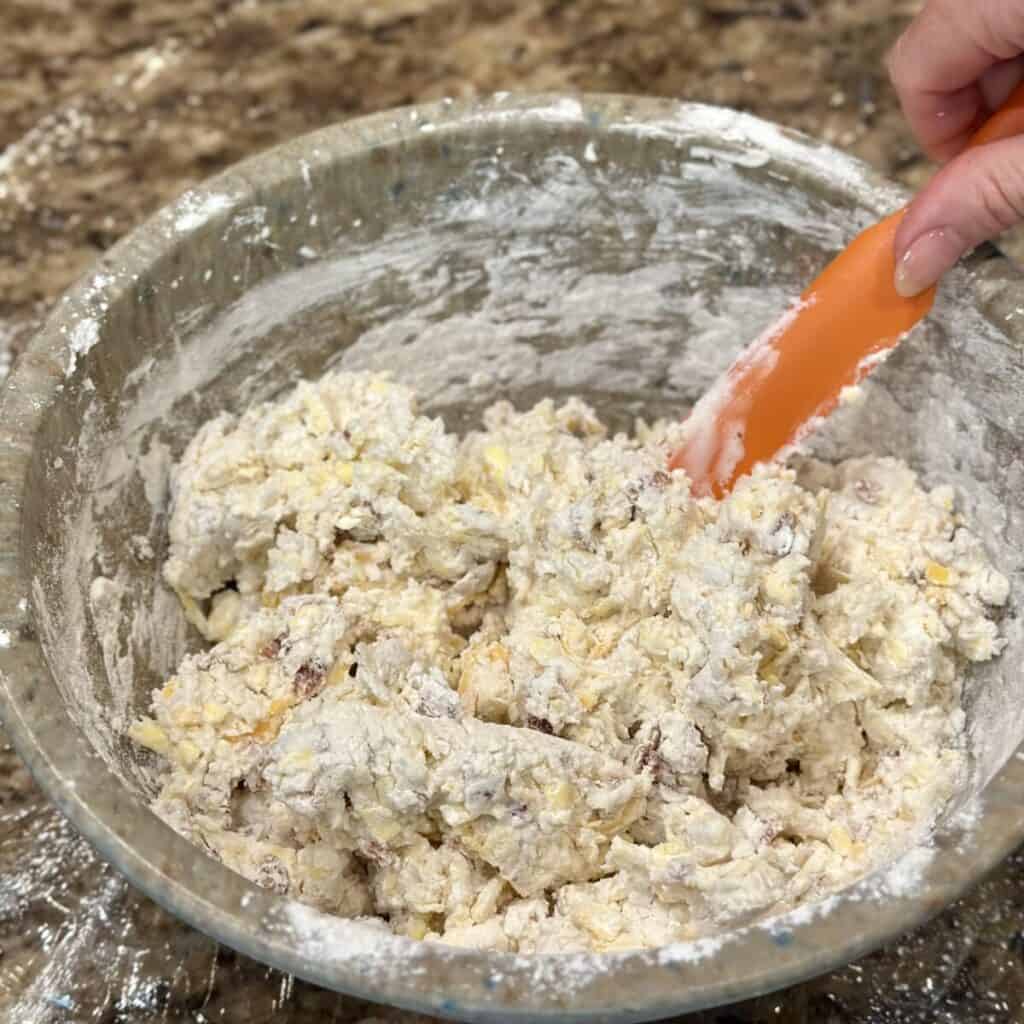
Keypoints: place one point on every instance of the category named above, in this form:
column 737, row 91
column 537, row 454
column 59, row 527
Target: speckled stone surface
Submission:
column 109, row 108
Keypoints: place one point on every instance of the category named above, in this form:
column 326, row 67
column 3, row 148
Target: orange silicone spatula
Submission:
column 791, row 377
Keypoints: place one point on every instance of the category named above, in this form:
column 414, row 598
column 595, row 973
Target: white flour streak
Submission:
column 755, row 158
column 195, row 208
column 906, row 876
column 94, row 304
column 82, row 338
column 565, row 110
column 692, row 952
column 752, row 135
column 327, row 938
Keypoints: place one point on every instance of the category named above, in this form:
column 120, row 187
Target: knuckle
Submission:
column 1002, row 22
column 999, row 197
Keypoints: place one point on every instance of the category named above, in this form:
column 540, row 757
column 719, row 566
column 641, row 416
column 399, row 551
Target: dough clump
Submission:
column 522, row 692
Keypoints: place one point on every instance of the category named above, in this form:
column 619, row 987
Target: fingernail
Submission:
column 926, row 260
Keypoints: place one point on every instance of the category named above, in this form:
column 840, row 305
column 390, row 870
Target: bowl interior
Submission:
column 516, row 251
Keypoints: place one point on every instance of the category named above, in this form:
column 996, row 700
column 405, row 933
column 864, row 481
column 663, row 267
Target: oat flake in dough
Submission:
column 522, row 692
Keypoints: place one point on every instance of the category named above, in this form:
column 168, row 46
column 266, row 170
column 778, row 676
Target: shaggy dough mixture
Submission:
column 520, row 691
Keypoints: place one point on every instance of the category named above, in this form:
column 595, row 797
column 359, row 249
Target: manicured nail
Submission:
column 926, row 260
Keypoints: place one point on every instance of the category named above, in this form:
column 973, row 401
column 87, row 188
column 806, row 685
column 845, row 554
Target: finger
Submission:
column 999, row 81
column 937, row 63
column 974, row 198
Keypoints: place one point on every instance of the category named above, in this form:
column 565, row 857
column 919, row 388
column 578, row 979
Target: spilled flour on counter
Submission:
column 522, row 692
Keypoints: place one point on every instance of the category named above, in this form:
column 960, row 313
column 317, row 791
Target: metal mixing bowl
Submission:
column 617, row 248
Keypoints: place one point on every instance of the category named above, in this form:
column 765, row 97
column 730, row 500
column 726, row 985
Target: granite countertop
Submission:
column 110, row 108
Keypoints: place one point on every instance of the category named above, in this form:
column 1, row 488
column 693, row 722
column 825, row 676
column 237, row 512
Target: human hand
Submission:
column 956, row 63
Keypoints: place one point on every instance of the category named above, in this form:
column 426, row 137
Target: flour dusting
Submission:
column 195, row 208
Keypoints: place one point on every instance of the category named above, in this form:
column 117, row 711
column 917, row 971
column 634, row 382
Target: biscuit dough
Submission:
column 522, row 692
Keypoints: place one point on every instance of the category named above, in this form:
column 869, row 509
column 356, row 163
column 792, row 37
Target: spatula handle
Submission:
column 792, row 376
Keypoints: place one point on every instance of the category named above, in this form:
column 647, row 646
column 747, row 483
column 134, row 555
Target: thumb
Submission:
column 975, row 197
